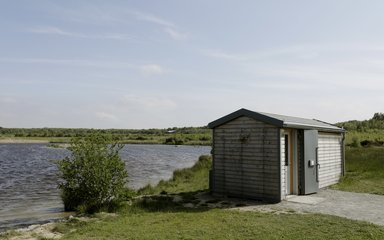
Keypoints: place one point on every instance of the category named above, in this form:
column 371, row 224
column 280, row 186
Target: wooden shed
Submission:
column 268, row 156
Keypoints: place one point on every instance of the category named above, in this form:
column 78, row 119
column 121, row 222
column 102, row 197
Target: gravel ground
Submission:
column 357, row 206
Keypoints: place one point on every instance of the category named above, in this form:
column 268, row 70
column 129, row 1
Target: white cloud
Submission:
column 176, row 35
column 72, row 62
column 147, row 70
column 321, row 66
column 295, row 52
column 314, row 51
column 148, row 102
column 116, row 36
column 152, row 70
column 168, row 27
column 49, row 30
column 152, row 19
column 215, row 53
column 57, row 31
column 6, row 99
column 96, row 15
column 106, row 116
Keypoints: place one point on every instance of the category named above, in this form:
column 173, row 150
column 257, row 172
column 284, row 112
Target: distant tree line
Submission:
column 365, row 133
column 376, row 122
column 177, row 136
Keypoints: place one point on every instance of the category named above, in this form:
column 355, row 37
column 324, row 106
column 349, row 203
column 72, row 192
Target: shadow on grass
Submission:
column 197, row 201
column 180, row 202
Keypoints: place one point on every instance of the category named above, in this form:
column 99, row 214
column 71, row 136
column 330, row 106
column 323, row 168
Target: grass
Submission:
column 373, row 135
column 364, row 171
column 184, row 180
column 160, row 217
column 9, row 234
column 224, row 224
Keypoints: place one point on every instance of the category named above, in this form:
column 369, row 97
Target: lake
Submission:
column 29, row 176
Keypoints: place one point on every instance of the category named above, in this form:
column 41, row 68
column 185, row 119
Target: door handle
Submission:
column 317, row 164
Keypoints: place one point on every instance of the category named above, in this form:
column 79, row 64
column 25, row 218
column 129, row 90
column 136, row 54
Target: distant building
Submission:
column 268, row 156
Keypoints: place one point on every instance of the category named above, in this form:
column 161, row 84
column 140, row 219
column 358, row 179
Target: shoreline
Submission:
column 35, row 231
column 22, row 140
column 11, row 140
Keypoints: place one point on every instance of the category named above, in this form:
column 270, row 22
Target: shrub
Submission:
column 205, row 138
column 174, row 141
column 355, row 142
column 141, row 138
column 94, row 175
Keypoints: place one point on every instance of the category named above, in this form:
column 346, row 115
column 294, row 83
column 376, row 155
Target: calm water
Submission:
column 28, row 177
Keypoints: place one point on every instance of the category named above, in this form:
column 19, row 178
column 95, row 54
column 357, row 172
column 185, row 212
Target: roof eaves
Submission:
column 334, row 125
column 247, row 113
column 311, row 126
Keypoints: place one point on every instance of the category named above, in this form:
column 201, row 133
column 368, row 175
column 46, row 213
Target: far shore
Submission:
column 65, row 141
column 22, row 140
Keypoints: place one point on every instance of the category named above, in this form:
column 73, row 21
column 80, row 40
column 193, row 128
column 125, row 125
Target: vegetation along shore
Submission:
column 181, row 208
column 359, row 133
column 174, row 136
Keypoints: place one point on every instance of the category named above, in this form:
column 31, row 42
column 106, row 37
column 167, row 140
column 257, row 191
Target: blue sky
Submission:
column 158, row 64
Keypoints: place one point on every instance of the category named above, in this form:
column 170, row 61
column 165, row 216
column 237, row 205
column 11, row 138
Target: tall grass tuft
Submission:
column 184, row 180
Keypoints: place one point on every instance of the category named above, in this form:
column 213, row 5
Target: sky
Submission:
column 159, row 64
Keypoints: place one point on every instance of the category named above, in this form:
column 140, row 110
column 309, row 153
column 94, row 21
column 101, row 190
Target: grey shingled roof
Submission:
column 278, row 120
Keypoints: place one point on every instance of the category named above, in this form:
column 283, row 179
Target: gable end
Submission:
column 246, row 113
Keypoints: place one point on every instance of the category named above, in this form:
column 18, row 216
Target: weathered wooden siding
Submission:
column 246, row 160
column 330, row 158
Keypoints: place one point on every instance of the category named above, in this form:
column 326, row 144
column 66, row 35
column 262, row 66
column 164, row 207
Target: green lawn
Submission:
column 224, row 224
column 364, row 171
column 161, row 218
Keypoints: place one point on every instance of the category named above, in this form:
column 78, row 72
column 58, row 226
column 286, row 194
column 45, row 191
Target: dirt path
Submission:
column 357, row 206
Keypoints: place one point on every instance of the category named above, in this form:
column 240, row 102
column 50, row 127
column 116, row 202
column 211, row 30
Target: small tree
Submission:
column 378, row 116
column 94, row 175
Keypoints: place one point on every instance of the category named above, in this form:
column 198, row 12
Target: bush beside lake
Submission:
column 94, row 175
